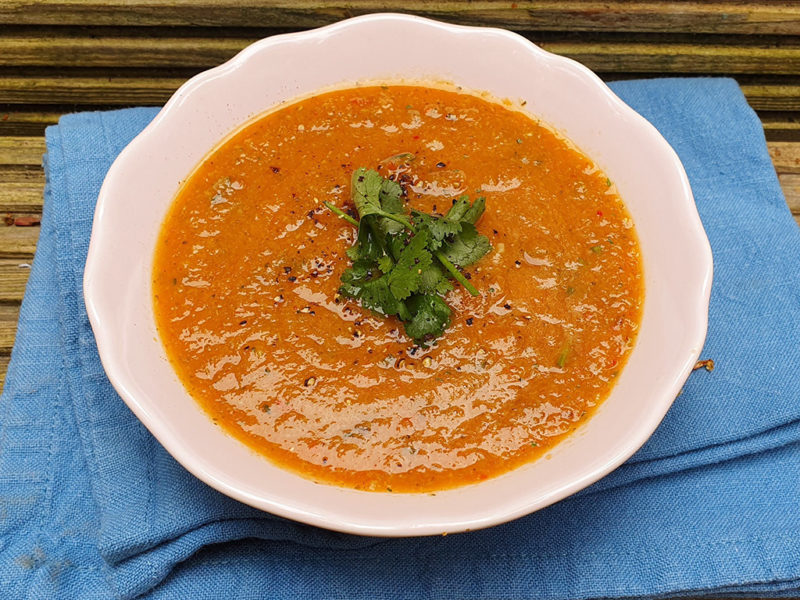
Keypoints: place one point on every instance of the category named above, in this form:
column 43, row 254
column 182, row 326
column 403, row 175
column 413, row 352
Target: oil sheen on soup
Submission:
column 247, row 270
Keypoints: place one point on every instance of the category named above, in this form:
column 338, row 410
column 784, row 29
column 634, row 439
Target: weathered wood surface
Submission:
column 110, row 90
column 106, row 48
column 751, row 18
column 59, row 56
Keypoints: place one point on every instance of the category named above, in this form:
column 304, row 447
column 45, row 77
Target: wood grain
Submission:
column 785, row 157
column 790, row 183
column 114, row 91
column 705, row 56
column 18, row 150
column 9, row 314
column 31, row 122
column 18, row 242
column 106, row 90
column 773, row 97
column 4, row 358
column 22, row 196
column 115, row 51
column 14, row 275
column 752, row 18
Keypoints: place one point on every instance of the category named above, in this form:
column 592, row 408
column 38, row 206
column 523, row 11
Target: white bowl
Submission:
column 142, row 182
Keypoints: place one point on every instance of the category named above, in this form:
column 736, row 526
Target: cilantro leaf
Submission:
column 475, row 211
column 438, row 227
column 371, row 192
column 431, row 316
column 377, row 296
column 391, row 197
column 460, row 207
column 467, row 247
column 415, row 258
column 366, row 192
column 434, row 280
column 356, row 277
column 373, row 292
column 366, row 246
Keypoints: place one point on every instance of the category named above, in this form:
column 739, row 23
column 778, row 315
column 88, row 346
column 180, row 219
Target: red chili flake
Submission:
column 599, row 213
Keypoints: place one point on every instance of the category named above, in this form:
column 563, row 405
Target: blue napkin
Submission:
column 93, row 507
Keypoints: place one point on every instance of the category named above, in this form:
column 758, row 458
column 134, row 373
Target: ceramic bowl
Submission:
column 145, row 177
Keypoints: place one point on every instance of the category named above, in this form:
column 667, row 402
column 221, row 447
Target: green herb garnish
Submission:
column 403, row 262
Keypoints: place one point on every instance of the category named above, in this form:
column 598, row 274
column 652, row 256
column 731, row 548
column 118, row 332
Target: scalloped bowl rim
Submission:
column 676, row 300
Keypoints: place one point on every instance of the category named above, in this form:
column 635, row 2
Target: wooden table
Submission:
column 73, row 55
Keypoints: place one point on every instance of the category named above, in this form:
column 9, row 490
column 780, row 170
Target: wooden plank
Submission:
column 790, row 182
column 111, row 91
column 157, row 51
column 18, row 242
column 785, row 157
column 3, row 370
column 17, row 150
column 22, row 196
column 31, row 121
column 781, row 126
column 106, row 90
column 773, row 97
column 14, row 276
column 741, row 55
column 680, row 58
column 21, row 174
column 9, row 314
column 619, row 15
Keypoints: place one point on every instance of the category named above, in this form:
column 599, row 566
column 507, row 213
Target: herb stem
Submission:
column 341, row 214
column 457, row 275
column 562, row 356
column 398, row 219
column 376, row 233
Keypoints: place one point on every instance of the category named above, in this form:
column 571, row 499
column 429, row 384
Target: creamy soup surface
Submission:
column 247, row 269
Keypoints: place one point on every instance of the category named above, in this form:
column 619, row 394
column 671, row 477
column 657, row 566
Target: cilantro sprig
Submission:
column 403, row 262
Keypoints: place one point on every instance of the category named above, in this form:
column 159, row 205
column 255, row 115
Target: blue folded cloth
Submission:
column 93, row 507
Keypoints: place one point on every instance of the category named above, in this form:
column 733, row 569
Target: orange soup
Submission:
column 248, row 267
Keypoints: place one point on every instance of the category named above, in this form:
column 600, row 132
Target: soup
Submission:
column 247, row 274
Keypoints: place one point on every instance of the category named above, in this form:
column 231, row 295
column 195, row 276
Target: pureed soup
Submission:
column 247, row 273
